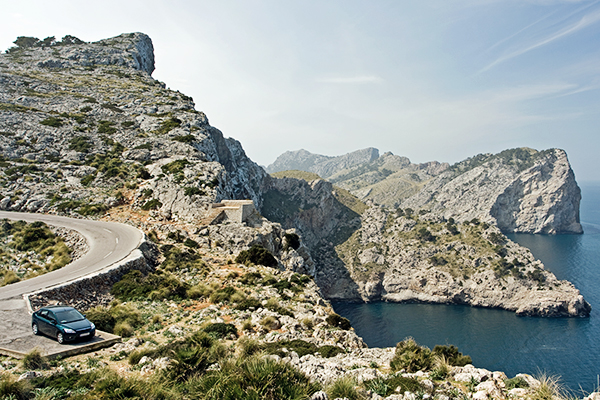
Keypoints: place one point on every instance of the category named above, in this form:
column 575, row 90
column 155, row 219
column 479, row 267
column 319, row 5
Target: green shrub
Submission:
column 175, row 167
column 11, row 388
column 250, row 278
column 86, row 180
column 222, row 295
column 192, row 190
column 395, row 384
column 185, row 139
column 221, row 330
column 452, row 355
column 81, row 144
column 344, row 387
column 328, row 351
column 270, row 323
column 92, row 209
column 153, row 204
column 337, row 321
column 253, row 378
column 167, row 125
column 516, row 383
column 102, row 318
column 411, row 357
column 35, row 360
column 257, row 255
column 247, row 303
column 191, row 243
column 106, row 127
column 53, row 122
column 123, row 329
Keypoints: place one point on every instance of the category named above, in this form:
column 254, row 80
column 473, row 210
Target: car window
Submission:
column 51, row 316
column 69, row 316
column 44, row 313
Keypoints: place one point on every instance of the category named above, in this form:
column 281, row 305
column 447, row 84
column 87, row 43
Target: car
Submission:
column 64, row 323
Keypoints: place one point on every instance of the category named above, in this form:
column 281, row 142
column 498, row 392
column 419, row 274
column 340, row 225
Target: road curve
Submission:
column 109, row 242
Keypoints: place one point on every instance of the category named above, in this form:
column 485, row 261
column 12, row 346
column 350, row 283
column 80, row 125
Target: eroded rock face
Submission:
column 519, row 190
column 424, row 258
column 84, row 128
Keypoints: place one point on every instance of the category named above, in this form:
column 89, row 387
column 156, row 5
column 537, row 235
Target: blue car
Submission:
column 64, row 323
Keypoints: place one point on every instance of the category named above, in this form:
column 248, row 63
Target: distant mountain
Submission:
column 385, row 179
column 519, row 190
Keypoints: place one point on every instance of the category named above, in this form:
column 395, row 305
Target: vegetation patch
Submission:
column 257, row 255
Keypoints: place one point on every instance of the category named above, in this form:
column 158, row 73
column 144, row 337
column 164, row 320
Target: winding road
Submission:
column 109, row 242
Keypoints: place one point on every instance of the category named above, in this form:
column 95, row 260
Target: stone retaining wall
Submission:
column 94, row 290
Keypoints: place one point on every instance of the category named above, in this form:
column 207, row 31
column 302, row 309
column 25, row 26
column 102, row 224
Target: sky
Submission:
column 430, row 80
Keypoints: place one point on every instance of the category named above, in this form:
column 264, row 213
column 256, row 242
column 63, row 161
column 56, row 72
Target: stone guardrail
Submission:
column 93, row 290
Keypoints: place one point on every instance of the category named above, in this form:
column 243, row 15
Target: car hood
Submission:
column 76, row 325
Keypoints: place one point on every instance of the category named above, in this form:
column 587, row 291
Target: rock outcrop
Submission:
column 518, row 190
column 424, row 258
column 84, row 128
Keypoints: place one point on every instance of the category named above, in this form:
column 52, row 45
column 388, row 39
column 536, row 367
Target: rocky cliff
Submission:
column 84, row 128
column 519, row 190
column 400, row 256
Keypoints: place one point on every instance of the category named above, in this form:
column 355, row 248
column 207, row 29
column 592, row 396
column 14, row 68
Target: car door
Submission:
column 44, row 322
column 52, row 324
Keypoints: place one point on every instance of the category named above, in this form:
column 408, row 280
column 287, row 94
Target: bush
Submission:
column 11, row 388
column 247, row 303
column 452, row 355
column 337, row 321
column 516, row 383
column 257, row 255
column 81, row 144
column 153, row 204
column 222, row 295
column 192, row 190
column 175, row 167
column 344, row 387
column 102, row 318
column 185, row 139
column 221, row 330
column 328, row 351
column 395, row 384
column 270, row 323
column 253, row 378
column 53, row 122
column 424, row 235
column 123, row 329
column 35, row 360
column 411, row 357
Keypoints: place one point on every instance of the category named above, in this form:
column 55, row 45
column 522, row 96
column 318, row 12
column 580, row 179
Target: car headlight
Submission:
column 92, row 325
column 68, row 330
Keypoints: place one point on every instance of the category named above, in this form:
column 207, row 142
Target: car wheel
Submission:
column 34, row 329
column 60, row 338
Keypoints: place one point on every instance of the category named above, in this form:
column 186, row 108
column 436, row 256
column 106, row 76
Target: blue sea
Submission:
column 499, row 340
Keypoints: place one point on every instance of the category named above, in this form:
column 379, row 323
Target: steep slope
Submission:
column 85, row 128
column 519, row 190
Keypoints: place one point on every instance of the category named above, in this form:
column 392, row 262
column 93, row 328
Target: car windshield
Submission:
column 69, row 316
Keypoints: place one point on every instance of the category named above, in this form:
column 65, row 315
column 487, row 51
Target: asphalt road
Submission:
column 108, row 242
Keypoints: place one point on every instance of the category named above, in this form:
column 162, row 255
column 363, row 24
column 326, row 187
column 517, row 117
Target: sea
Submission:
column 497, row 340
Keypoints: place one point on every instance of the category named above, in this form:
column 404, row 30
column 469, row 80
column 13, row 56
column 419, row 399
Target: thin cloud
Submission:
column 353, row 80
column 583, row 23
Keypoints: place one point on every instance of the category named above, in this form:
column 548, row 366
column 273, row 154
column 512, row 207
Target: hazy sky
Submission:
column 431, row 80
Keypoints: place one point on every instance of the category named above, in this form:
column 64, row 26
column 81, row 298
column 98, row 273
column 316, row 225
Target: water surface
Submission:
column 500, row 340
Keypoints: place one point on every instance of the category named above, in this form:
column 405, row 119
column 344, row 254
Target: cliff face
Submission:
column 84, row 128
column 519, row 190
column 425, row 258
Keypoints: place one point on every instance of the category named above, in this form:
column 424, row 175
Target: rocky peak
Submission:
column 133, row 50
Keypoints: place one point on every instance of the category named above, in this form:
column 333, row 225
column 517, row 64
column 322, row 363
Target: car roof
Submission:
column 56, row 308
